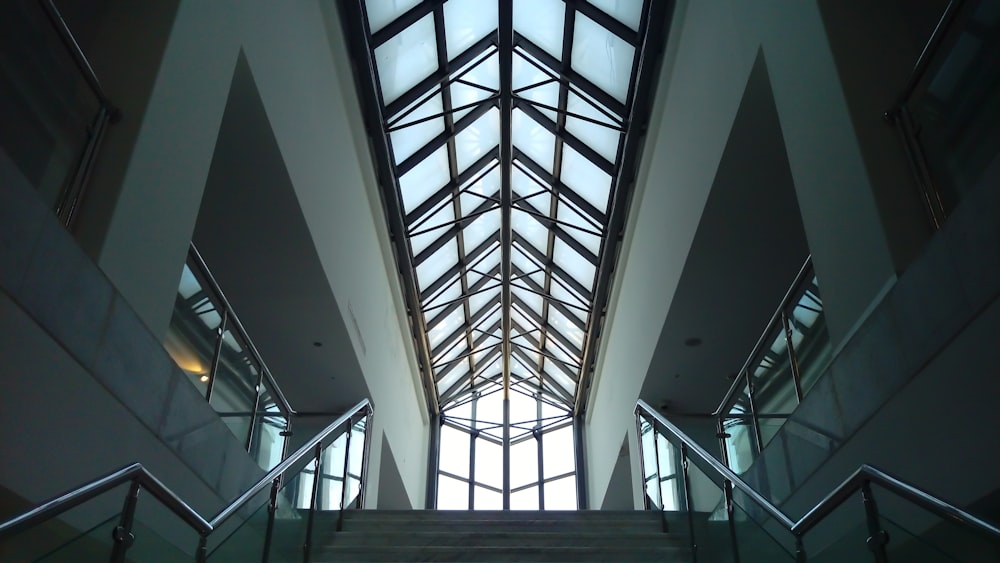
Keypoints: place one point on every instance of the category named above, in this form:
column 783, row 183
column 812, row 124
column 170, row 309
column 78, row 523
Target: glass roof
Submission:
column 505, row 123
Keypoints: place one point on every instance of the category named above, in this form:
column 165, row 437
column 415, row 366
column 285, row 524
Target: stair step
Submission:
column 487, row 538
column 505, row 553
column 536, row 515
column 375, row 526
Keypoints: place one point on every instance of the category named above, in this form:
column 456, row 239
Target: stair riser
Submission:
column 500, row 539
column 510, row 527
column 666, row 555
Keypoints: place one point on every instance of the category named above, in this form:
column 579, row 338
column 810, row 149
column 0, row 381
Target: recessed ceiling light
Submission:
column 203, row 379
column 318, row 344
column 692, row 342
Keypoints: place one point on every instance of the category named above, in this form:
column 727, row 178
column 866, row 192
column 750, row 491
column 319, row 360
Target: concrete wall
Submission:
column 290, row 48
column 712, row 48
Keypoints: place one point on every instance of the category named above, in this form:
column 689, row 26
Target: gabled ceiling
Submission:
column 507, row 134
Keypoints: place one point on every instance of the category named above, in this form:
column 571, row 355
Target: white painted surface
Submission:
column 711, row 51
column 290, row 55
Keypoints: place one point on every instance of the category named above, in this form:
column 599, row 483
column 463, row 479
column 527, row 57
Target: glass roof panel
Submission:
column 427, row 177
column 437, row 264
column 566, row 327
column 629, row 12
column 534, row 140
column 443, row 328
column 382, row 12
column 586, row 179
column 407, row 58
column 423, row 227
column 481, row 229
column 467, row 21
column 477, row 192
column 554, row 220
column 573, row 264
column 541, row 21
column 477, row 139
column 602, row 138
column 529, row 228
column 602, row 57
column 412, row 133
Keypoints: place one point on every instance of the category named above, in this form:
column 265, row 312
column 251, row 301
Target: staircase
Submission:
column 440, row 535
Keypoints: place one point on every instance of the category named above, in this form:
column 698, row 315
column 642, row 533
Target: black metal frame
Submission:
column 531, row 342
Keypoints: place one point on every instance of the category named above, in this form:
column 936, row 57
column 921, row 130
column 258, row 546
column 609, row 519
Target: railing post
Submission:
column 728, row 485
column 877, row 538
column 687, row 501
column 347, row 467
column 272, row 508
column 307, row 547
column 800, row 551
column 122, row 534
column 793, row 359
column 201, row 554
column 365, row 452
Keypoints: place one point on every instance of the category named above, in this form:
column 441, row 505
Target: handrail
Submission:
column 864, row 475
column 136, row 473
column 800, row 278
column 79, row 57
column 280, row 469
column 231, row 316
column 926, row 55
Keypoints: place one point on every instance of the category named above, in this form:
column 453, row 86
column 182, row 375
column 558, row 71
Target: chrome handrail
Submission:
column 136, row 473
column 800, row 278
column 864, row 475
column 209, row 278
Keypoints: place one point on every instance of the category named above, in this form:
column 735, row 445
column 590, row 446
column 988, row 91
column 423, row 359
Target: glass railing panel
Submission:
column 93, row 544
column 740, row 443
column 267, row 445
column 774, row 385
column 46, row 106
column 290, row 520
column 840, row 536
column 650, row 474
column 915, row 531
column 670, row 474
column 955, row 106
column 755, row 543
column 705, row 509
column 810, row 337
column 355, row 459
column 246, row 542
column 331, row 488
column 152, row 545
column 234, row 390
column 194, row 329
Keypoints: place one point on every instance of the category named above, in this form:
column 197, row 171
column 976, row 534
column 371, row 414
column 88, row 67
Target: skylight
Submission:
column 506, row 128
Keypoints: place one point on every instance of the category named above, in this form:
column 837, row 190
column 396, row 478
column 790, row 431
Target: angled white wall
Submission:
column 290, row 49
column 711, row 50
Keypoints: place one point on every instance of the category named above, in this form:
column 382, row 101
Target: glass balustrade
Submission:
column 793, row 351
column 208, row 343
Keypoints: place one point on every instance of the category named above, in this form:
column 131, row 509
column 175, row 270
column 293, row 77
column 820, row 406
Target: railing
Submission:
column 60, row 110
column 784, row 364
column 729, row 519
column 242, row 543
column 209, row 343
column 945, row 115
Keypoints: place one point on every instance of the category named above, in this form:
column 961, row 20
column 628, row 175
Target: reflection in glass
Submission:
column 193, row 332
column 234, row 391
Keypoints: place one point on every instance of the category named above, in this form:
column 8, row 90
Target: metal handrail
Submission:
column 206, row 273
column 136, row 473
column 800, row 278
column 926, row 56
column 864, row 475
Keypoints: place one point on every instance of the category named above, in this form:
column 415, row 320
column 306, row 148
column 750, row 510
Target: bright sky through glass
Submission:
column 505, row 242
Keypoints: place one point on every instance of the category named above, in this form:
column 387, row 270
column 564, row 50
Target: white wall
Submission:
column 712, row 48
column 291, row 57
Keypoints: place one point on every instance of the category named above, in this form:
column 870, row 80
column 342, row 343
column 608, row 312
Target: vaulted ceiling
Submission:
column 505, row 136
